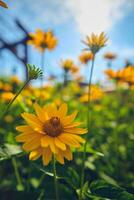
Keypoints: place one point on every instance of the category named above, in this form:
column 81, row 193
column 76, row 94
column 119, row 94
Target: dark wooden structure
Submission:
column 13, row 47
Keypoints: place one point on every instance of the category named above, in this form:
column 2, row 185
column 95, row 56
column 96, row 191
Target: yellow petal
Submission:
column 33, row 121
column 62, row 111
column 32, row 144
column 68, row 140
column 34, row 155
column 47, row 156
column 75, row 130
column 77, row 138
column 59, row 144
column 24, row 128
column 73, row 125
column 51, row 110
column 49, row 141
column 45, row 141
column 25, row 137
column 60, row 158
column 68, row 154
column 67, row 120
column 40, row 113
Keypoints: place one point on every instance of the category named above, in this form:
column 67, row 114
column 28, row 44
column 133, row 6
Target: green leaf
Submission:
column 72, row 178
column 9, row 150
column 103, row 189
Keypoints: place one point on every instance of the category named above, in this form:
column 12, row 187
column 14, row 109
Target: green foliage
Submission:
column 109, row 152
column 103, row 189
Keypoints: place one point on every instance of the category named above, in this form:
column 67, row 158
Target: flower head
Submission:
column 109, row 56
column 110, row 73
column 50, row 131
column 7, row 96
column 74, row 69
column 96, row 94
column 67, row 64
column 96, row 42
column 85, row 57
column 34, row 72
column 43, row 40
column 3, row 4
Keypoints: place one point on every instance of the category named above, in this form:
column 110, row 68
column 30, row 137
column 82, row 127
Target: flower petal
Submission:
column 62, row 111
column 75, row 130
column 34, row 155
column 65, row 138
column 40, row 113
column 33, row 144
column 67, row 120
column 33, row 121
column 47, row 156
column 24, row 128
column 25, row 137
column 59, row 144
column 60, row 158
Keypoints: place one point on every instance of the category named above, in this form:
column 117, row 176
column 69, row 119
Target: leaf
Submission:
column 44, row 171
column 9, row 150
column 92, row 151
column 72, row 178
column 103, row 189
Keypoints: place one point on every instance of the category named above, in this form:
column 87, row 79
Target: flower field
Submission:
column 67, row 138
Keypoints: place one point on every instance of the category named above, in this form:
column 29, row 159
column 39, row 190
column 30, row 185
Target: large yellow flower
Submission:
column 96, row 42
column 43, row 40
column 50, row 132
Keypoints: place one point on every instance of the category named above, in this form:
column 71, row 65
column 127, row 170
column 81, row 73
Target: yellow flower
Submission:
column 15, row 80
column 43, row 40
column 110, row 56
column 96, row 42
column 86, row 57
column 7, row 96
column 125, row 75
column 3, row 4
column 96, row 94
column 50, row 132
column 7, row 87
column 67, row 64
column 110, row 73
column 74, row 69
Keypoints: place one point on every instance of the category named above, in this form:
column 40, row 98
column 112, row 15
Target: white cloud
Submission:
column 98, row 15
column 88, row 15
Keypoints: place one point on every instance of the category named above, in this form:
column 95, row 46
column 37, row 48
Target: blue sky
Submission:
column 71, row 21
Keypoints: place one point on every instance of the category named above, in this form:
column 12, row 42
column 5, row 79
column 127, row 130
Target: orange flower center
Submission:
column 53, row 127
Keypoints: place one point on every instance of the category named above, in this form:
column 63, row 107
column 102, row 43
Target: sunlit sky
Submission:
column 71, row 21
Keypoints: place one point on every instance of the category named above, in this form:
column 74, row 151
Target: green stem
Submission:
column 41, row 179
column 88, row 127
column 15, row 97
column 55, row 179
column 42, row 66
column 18, row 177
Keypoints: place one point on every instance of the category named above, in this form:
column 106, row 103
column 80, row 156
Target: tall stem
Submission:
column 88, row 127
column 55, row 179
column 11, row 102
column 16, row 171
column 42, row 66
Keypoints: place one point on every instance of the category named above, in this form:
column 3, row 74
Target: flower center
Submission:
column 53, row 127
